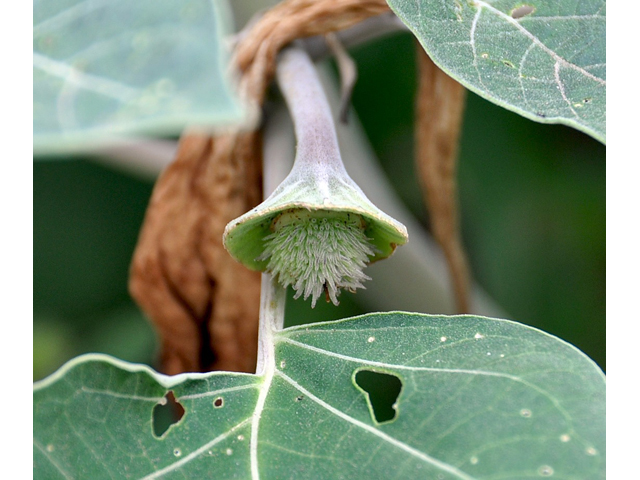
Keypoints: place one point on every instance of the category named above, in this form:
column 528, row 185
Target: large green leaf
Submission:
column 480, row 398
column 544, row 59
column 103, row 68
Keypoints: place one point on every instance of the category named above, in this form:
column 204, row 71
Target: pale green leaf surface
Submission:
column 549, row 65
column 481, row 398
column 107, row 68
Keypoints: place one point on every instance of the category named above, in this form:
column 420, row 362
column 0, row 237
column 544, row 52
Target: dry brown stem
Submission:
column 255, row 55
column 440, row 105
column 203, row 304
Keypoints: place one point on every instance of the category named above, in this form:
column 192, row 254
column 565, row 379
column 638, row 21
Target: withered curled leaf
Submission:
column 203, row 303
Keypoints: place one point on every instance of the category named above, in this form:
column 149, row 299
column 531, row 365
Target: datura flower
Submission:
column 317, row 231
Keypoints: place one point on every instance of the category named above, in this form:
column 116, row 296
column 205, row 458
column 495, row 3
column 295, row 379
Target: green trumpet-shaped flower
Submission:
column 314, row 246
column 317, row 231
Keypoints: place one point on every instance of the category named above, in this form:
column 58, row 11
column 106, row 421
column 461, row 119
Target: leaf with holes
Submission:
column 377, row 396
column 543, row 59
column 107, row 68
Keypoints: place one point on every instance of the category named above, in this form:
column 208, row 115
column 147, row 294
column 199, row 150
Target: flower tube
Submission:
column 317, row 231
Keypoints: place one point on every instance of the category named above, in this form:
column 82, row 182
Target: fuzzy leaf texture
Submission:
column 479, row 398
column 108, row 68
column 543, row 59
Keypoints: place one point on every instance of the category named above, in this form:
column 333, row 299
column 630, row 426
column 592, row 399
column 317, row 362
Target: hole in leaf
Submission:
column 381, row 391
column 166, row 414
column 522, row 11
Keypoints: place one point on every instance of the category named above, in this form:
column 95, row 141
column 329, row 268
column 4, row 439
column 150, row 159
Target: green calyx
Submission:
column 244, row 237
column 315, row 233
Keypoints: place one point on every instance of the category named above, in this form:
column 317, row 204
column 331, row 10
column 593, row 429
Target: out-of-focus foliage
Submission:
column 106, row 69
column 86, row 219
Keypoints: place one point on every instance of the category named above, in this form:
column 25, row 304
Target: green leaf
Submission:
column 103, row 69
column 543, row 59
column 479, row 398
column 93, row 419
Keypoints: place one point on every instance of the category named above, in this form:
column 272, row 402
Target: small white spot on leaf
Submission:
column 545, row 471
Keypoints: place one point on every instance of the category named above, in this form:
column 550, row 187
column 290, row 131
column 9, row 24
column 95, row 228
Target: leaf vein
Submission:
column 197, row 452
column 389, row 439
column 538, row 42
column 51, row 460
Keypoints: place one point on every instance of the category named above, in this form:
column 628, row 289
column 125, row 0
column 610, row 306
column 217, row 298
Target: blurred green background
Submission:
column 533, row 218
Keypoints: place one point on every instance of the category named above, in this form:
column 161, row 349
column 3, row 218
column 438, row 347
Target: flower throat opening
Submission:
column 318, row 251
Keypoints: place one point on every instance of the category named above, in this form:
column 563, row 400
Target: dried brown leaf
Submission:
column 439, row 110
column 203, row 304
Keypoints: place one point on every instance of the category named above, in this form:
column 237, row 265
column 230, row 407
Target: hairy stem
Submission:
column 317, row 141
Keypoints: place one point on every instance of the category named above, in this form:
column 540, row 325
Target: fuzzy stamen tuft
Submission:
column 316, row 254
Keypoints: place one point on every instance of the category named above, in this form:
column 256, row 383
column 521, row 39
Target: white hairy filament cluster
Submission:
column 316, row 255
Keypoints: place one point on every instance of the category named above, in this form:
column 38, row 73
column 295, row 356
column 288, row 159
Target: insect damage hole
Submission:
column 381, row 390
column 165, row 414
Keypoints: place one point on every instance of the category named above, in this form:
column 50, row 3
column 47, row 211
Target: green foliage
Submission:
column 546, row 62
column 103, row 69
column 86, row 219
column 480, row 398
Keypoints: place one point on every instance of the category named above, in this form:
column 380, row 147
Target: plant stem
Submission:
column 370, row 29
column 348, row 74
column 272, row 303
column 147, row 157
column 426, row 286
column 317, row 142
